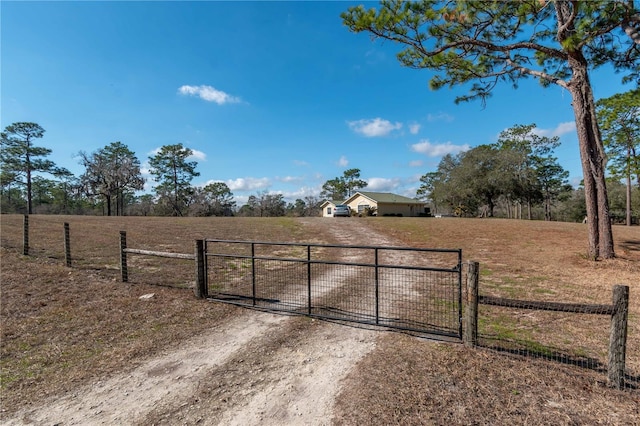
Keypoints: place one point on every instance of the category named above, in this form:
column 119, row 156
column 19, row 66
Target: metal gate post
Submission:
column 124, row 272
column 377, row 286
column 309, row 279
column 460, row 293
column 253, row 273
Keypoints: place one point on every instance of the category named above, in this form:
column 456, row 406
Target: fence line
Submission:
column 618, row 311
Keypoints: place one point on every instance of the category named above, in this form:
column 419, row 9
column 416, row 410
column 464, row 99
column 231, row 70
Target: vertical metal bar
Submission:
column 123, row 257
column 309, row 279
column 67, row 245
column 206, row 268
column 460, row 293
column 25, row 235
column 377, row 286
column 253, row 273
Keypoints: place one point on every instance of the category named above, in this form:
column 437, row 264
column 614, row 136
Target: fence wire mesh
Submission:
column 409, row 289
column 574, row 335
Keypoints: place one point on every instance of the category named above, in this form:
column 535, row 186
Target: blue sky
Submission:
column 270, row 96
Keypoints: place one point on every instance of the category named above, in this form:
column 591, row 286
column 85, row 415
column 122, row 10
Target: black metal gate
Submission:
column 405, row 288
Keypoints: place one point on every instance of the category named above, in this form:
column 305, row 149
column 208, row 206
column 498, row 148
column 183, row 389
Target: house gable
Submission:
column 328, row 207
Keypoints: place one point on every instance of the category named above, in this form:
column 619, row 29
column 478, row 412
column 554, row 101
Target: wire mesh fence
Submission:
column 386, row 286
column 373, row 285
column 588, row 336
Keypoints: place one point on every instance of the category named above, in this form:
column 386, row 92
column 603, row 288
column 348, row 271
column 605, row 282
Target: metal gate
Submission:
column 398, row 287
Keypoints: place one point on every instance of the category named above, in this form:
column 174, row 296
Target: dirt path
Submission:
column 258, row 368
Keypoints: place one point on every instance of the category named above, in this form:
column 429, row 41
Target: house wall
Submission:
column 408, row 210
column 361, row 201
column 326, row 208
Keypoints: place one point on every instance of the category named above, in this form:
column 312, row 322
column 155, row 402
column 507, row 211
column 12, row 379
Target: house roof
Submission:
column 385, row 198
column 334, row 202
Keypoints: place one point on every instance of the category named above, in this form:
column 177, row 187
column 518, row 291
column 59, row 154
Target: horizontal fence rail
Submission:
column 547, row 306
column 197, row 257
column 618, row 312
column 160, row 253
column 396, row 287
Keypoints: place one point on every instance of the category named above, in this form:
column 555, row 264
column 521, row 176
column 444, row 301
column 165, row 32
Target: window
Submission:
column 362, row 208
column 328, row 210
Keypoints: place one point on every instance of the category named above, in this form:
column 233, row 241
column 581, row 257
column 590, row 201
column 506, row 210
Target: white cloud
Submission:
column 300, row 163
column 416, row 163
column 414, row 128
column 441, row 116
column 304, row 191
column 209, row 94
column 343, row 162
column 197, row 156
column 290, row 179
column 438, row 150
column 559, row 130
column 374, row 127
column 247, row 184
column 381, row 184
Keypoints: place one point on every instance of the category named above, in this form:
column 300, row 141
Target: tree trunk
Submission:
column 592, row 153
column 547, row 207
column 108, row 203
column 593, row 161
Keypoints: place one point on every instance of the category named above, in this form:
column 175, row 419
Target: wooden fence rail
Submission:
column 198, row 257
column 618, row 311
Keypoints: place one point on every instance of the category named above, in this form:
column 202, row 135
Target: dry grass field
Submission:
column 64, row 328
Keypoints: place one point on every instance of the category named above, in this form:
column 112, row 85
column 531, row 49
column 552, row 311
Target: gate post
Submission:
column 67, row 245
column 618, row 337
column 471, row 314
column 123, row 257
column 308, row 279
column 201, row 278
column 25, row 235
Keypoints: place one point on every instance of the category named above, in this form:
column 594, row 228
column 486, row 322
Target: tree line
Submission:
column 30, row 183
column 516, row 177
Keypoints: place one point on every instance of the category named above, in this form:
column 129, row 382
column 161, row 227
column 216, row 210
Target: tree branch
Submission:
column 538, row 74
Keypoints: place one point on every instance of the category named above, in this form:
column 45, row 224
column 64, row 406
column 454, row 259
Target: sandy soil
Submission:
column 257, row 368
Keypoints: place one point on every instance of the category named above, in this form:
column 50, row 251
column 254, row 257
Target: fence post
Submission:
column 618, row 337
column 67, row 245
column 309, row 279
column 471, row 317
column 201, row 279
column 123, row 256
column 25, row 235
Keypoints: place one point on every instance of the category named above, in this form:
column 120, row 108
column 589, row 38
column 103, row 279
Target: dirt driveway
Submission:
column 256, row 368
